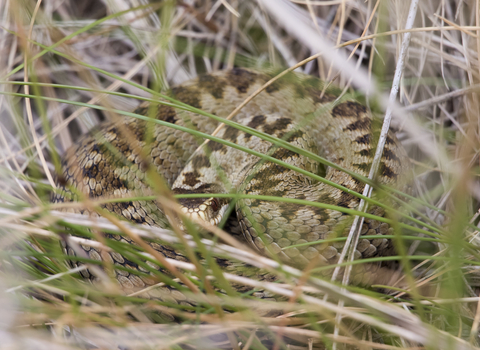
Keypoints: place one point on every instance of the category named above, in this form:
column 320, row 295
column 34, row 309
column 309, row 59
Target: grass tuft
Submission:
column 66, row 67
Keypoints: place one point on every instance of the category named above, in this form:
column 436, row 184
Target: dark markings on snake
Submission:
column 321, row 214
column 274, row 185
column 313, row 88
column 348, row 110
column 204, row 189
column 241, row 79
column 87, row 168
column 280, row 169
column 389, row 141
column 96, row 148
column 247, row 136
column 62, row 181
column 171, row 253
column 222, row 262
column 166, row 113
column 143, row 165
column 283, row 154
column 363, row 140
column 138, row 219
column 345, row 200
column 93, row 173
column 317, row 97
column 387, row 171
column 257, row 121
column 274, row 87
column 363, row 166
column 272, row 189
column 191, row 178
column 201, row 161
column 213, row 84
column 142, row 109
column 364, row 152
column 361, row 124
column 124, row 205
column 278, row 126
column 389, row 155
column 191, row 202
column 231, row 134
column 358, row 184
column 187, row 95
column 216, row 146
column 289, row 210
column 294, row 135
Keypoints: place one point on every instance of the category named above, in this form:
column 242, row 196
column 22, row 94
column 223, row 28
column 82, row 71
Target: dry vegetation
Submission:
column 82, row 51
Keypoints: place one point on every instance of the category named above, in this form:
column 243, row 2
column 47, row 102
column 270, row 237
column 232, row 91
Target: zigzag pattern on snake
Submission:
column 294, row 108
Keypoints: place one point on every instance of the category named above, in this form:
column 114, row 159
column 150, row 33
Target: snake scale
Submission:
column 293, row 108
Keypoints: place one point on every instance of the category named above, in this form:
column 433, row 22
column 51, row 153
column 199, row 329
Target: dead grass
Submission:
column 85, row 47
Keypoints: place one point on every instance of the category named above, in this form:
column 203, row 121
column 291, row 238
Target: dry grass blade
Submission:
column 355, row 230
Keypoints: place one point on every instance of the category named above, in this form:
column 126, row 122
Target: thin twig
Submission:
column 355, row 230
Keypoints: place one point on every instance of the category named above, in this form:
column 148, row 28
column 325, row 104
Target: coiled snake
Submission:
column 294, row 109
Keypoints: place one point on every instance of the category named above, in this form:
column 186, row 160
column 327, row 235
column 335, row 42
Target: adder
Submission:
column 295, row 109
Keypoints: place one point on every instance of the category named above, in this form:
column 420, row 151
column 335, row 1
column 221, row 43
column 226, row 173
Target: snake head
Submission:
column 209, row 209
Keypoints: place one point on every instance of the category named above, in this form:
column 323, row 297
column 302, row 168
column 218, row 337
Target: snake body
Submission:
column 294, row 108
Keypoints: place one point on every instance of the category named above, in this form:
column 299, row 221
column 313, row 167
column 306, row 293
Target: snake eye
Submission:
column 215, row 204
